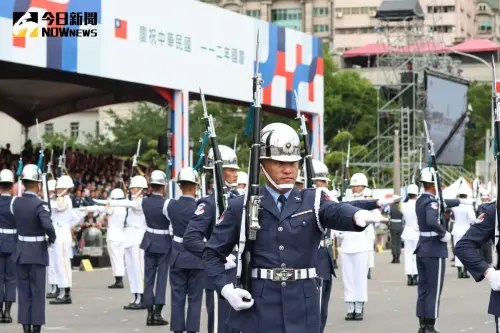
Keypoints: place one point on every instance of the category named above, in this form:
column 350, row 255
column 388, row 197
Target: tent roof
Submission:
column 368, row 50
column 424, row 47
column 451, row 191
column 400, row 10
column 477, row 45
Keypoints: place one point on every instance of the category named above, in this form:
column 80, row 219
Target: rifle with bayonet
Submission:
column 18, row 174
column 414, row 177
column 42, row 168
column 437, row 178
column 250, row 217
column 168, row 154
column 309, row 171
column 135, row 157
column 220, row 188
column 496, row 113
column 345, row 183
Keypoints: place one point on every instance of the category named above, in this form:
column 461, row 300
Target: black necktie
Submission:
column 282, row 200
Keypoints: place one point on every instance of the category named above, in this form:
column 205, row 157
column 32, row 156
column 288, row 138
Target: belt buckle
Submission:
column 283, row 274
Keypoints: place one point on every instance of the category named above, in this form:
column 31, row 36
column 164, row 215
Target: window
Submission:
column 97, row 128
column 74, row 129
column 485, row 26
column 254, row 13
column 320, row 28
column 364, row 10
column 322, row 11
column 355, row 10
column 49, row 128
column 288, row 18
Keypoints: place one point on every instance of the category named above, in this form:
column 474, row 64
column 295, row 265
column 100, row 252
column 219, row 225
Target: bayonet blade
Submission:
column 257, row 55
column 348, row 153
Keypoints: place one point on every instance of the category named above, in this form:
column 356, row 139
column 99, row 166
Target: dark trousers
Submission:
column 210, row 305
column 31, row 294
column 7, row 278
column 326, row 290
column 485, row 252
column 186, row 283
column 155, row 269
column 396, row 229
column 430, row 285
column 496, row 325
column 223, row 310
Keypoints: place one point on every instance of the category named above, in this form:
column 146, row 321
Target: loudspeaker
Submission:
column 409, row 96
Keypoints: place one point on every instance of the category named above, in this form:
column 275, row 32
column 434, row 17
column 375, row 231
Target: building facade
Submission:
column 488, row 20
column 314, row 17
column 77, row 125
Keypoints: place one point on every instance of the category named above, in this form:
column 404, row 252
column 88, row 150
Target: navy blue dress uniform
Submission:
column 157, row 244
column 480, row 233
column 431, row 253
column 284, row 259
column 186, row 270
column 33, row 222
column 198, row 230
column 325, row 265
column 8, row 240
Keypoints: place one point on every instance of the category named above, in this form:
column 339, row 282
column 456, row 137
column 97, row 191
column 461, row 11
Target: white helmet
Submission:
column 117, row 193
column 484, row 194
column 138, row 182
column 64, row 182
column 158, row 177
column 427, row 175
column 412, row 189
column 367, row 192
column 242, row 178
column 320, row 171
column 51, row 184
column 31, row 173
column 279, row 142
column 228, row 156
column 6, row 176
column 359, row 179
column 463, row 190
column 187, row 175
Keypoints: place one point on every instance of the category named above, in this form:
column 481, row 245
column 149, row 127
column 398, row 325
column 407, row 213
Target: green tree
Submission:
column 479, row 96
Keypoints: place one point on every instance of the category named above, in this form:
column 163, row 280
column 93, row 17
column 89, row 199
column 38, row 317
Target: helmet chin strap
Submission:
column 357, row 195
column 276, row 186
column 231, row 185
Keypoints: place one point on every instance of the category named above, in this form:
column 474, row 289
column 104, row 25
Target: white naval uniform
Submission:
column 464, row 216
column 115, row 236
column 133, row 234
column 63, row 219
column 410, row 236
column 370, row 237
column 51, row 270
column 355, row 257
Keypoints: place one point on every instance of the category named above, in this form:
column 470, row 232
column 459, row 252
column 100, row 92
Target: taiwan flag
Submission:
column 120, row 29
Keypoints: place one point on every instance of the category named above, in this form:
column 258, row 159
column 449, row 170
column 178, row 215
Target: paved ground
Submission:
column 391, row 306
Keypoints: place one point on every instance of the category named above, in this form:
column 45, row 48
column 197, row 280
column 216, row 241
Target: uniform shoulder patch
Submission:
column 200, row 209
column 221, row 218
column 480, row 218
column 434, row 205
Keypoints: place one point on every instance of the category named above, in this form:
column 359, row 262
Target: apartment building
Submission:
column 488, row 20
column 450, row 21
column 314, row 17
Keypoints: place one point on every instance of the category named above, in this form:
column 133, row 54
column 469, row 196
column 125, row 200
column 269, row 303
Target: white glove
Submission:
column 469, row 202
column 230, row 262
column 493, row 277
column 363, row 217
column 389, row 201
column 446, row 238
column 235, row 297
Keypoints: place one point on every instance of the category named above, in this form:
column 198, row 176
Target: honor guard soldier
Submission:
column 284, row 295
column 431, row 251
column 63, row 220
column 135, row 227
column 484, row 230
column 396, row 230
column 410, row 234
column 32, row 216
column 200, row 229
column 114, row 236
column 186, row 270
column 51, row 270
column 464, row 216
column 242, row 182
column 8, row 240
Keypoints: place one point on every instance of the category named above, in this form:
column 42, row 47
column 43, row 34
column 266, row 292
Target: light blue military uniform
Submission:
column 186, row 271
column 284, row 259
column 33, row 222
column 466, row 250
column 431, row 254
